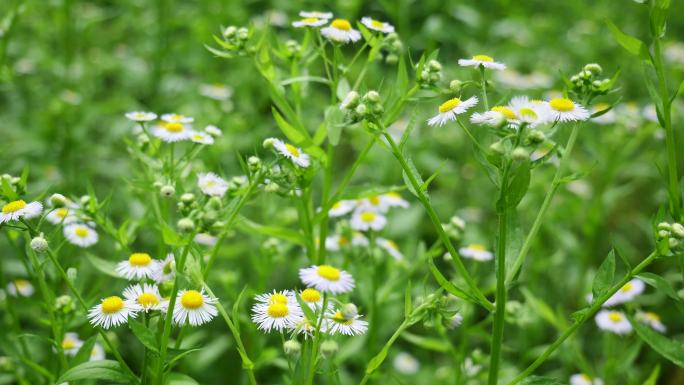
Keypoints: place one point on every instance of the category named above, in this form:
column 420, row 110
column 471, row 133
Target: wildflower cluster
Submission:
column 672, row 234
column 587, row 83
column 428, row 74
column 368, row 107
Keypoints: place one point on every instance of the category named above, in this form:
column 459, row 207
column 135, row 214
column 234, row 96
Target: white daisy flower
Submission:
column 20, row 287
column 316, row 14
column 613, row 321
column 80, row 234
column 112, row 311
column 205, row 239
column 390, row 247
column 145, row 297
column 626, row 293
column 365, row 220
column 327, row 279
column 482, row 60
column 137, row 266
column 201, row 138
column 650, row 113
column 565, row 110
column 374, row 203
column 583, row 379
column 495, row 117
column 450, row 109
column 304, row 327
column 278, row 313
column 532, row 112
column 376, row 25
column 312, row 297
column 336, row 242
column 213, row 130
column 309, row 22
column 216, row 91
column 358, row 239
column 194, row 307
column 98, row 353
column 284, row 296
column 394, row 199
column 337, row 323
column 405, row 363
column 172, row 131
column 177, row 118
column 212, row 184
column 651, row 319
column 341, row 208
column 477, row 252
column 61, row 215
column 341, row 31
column 296, row 155
column 14, row 210
column 607, row 118
column 141, row 116
column 165, row 270
column 71, row 344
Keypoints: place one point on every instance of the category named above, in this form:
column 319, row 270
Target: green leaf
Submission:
column 416, row 176
column 604, row 276
column 85, row 351
column 103, row 266
column 310, row 315
column 666, row 347
column 659, row 283
column 445, row 283
column 633, row 45
column 376, row 361
column 180, row 379
column 343, row 89
column 107, row 370
column 286, row 234
column 427, row 343
column 144, row 335
column 7, row 190
column 517, row 188
column 653, row 377
column 537, row 380
column 659, row 18
column 236, row 309
column 177, row 354
column 171, row 237
column 408, row 306
column 334, row 122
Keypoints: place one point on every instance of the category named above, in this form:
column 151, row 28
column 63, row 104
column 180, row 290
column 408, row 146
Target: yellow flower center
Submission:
column 81, row 232
column 393, row 194
column 528, row 113
column 342, row 241
column 61, row 213
column 278, row 298
column 377, row 24
column 615, row 317
column 477, row 247
column 652, row 316
column 192, row 299
column 601, row 106
column 13, row 206
column 139, row 259
column 311, row 295
column 174, row 127
column 585, row 377
column 198, row 136
column 368, row 216
column 341, row 24
column 111, row 305
column 449, row 105
column 483, row 58
column 392, row 245
column 562, row 104
column 68, row 343
column 292, row 149
column 505, row 111
column 309, row 20
column 627, row 287
column 339, row 318
column 278, row 310
column 374, row 200
column 328, row 272
column 147, row 300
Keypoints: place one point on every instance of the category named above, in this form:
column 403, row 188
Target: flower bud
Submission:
column 254, row 163
column 65, row 304
column 187, row 198
column 536, row 137
column 39, row 244
column 664, row 226
column 209, row 217
column 392, row 59
column 455, row 85
column 229, row 31
column 434, row 66
column 349, row 311
column 72, row 274
column 497, row 148
column 520, row 154
column 329, row 348
column 594, row 68
column 268, row 143
column 167, row 191
column 292, row 347
column 186, row 225
column 58, row 200
column 458, row 222
column 361, row 109
column 272, row 187
column 84, row 200
column 372, row 96
column 674, row 243
column 678, row 230
column 663, row 234
column 350, row 101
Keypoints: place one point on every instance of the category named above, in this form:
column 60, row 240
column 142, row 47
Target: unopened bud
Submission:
column 72, row 274
column 349, row 311
column 268, row 143
column 187, row 198
column 536, row 137
column 39, row 244
column 329, row 348
column 186, row 225
column 593, row 68
column 372, row 96
column 497, row 148
column 678, row 230
column 520, row 154
column 292, row 347
column 455, row 85
column 58, row 200
column 167, row 191
column 434, row 65
column 254, row 163
column 361, row 109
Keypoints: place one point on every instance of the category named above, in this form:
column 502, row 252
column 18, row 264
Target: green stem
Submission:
column 565, row 160
column 323, row 226
column 316, row 343
column 484, row 88
column 476, row 294
column 385, row 349
column 591, row 311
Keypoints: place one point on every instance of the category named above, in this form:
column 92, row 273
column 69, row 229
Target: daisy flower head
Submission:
column 141, row 116
column 608, row 117
column 373, row 203
column 80, row 234
column 377, row 25
column 284, row 296
column 394, row 199
column 449, row 110
column 145, row 297
column 61, row 215
column 295, row 154
column 165, row 270
column 613, row 321
column 583, row 379
column 171, row 132
column 651, row 319
column 341, row 208
column 316, row 14
column 278, row 312
column 348, row 326
column 216, row 91
column 365, row 220
column 194, row 307
column 14, row 210
column 309, row 22
column 532, row 112
column 626, row 293
column 71, row 344
column 341, row 31
column 111, row 311
column 213, row 130
column 137, row 266
column 212, row 184
column 312, row 297
column 98, row 353
column 201, row 138
column 327, row 279
column 565, row 110
column 20, row 287
column 477, row 252
column 358, row 239
column 405, row 363
column 390, row 247
column 205, row 239
column 495, row 117
column 336, row 242
column 177, row 118
column 482, row 61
